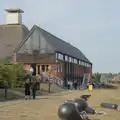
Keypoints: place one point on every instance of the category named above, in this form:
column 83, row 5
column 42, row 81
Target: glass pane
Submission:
column 43, row 68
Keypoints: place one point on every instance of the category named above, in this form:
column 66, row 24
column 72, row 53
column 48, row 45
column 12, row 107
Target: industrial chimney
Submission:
column 14, row 16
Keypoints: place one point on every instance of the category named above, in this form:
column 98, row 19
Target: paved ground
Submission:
column 45, row 108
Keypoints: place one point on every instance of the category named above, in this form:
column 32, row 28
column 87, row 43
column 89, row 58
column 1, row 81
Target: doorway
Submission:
column 44, row 68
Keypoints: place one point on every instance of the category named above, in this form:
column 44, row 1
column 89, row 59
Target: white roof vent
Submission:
column 14, row 16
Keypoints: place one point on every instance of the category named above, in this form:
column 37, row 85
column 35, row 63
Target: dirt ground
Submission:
column 46, row 107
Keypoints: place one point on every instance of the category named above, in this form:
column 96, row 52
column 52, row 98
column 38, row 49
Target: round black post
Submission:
column 49, row 85
column 6, row 92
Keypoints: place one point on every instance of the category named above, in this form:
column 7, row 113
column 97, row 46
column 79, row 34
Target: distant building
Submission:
column 42, row 50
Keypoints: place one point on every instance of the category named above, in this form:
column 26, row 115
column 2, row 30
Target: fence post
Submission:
column 6, row 92
column 49, row 87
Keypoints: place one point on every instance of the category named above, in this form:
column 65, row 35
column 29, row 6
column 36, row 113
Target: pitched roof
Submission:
column 58, row 45
column 10, row 38
column 63, row 47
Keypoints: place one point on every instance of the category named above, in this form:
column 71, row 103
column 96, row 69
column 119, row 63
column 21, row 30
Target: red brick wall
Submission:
column 82, row 71
column 59, row 73
column 54, row 72
column 88, row 70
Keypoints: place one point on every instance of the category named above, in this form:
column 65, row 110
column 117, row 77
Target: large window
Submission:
column 56, row 55
column 75, row 61
column 60, row 56
column 89, row 65
column 47, row 67
column 44, row 68
column 60, row 67
column 66, row 58
column 82, row 63
column 70, row 59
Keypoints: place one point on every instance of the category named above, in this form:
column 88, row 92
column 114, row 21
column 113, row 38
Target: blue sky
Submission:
column 91, row 25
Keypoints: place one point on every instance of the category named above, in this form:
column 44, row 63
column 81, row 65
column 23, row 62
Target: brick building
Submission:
column 42, row 50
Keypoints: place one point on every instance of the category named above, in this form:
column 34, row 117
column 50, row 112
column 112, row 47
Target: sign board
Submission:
column 53, row 67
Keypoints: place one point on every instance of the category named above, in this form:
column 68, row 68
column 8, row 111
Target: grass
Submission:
column 46, row 108
column 18, row 93
column 11, row 95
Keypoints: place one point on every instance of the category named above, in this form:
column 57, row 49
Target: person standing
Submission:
column 75, row 84
column 38, row 77
column 90, row 88
column 27, row 89
column 68, row 84
column 34, row 87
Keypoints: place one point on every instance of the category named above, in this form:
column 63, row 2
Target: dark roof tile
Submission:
column 10, row 38
column 58, row 45
column 63, row 47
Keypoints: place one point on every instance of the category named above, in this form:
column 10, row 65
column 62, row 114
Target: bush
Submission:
column 110, row 86
column 12, row 74
column 19, row 71
column 6, row 74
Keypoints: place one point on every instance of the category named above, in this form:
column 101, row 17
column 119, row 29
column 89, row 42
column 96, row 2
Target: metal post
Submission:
column 6, row 92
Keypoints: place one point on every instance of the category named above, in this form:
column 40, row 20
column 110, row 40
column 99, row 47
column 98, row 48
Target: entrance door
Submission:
column 44, row 68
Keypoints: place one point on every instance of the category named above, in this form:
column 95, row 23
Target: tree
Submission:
column 6, row 77
column 19, row 72
column 12, row 74
column 96, row 77
column 6, row 74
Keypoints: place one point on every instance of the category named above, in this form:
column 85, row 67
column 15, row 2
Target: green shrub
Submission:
column 110, row 86
column 6, row 74
column 19, row 71
column 12, row 74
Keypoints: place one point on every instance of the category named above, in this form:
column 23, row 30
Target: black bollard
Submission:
column 69, row 101
column 90, row 110
column 6, row 92
column 81, row 104
column 49, row 85
column 109, row 105
column 85, row 97
column 68, row 111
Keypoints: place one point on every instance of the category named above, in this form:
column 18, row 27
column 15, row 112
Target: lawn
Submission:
column 46, row 107
column 18, row 93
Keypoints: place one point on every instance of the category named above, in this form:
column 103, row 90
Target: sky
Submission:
column 93, row 26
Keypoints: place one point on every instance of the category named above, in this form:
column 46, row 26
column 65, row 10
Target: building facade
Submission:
column 42, row 51
column 51, row 54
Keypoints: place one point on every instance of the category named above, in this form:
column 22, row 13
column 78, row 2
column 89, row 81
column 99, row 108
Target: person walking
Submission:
column 68, row 84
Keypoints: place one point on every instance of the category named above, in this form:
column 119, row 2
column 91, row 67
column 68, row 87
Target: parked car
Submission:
column 96, row 84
